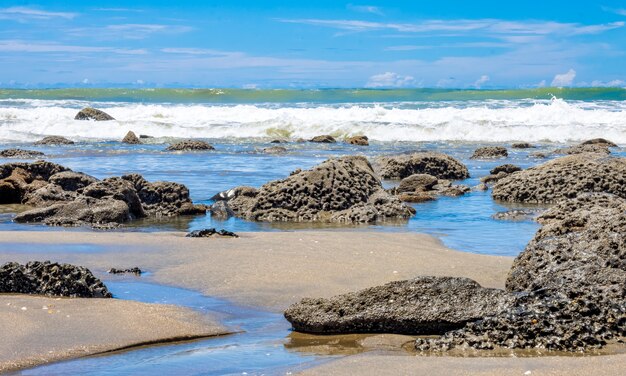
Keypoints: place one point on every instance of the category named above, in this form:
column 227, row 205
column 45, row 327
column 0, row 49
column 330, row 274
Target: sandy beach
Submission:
column 37, row 329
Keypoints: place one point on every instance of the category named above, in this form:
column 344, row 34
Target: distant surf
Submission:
column 383, row 115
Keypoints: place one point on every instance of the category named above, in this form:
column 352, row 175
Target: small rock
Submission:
column 135, row 270
column 221, row 210
column 190, row 145
column 516, row 215
column 358, row 140
column 145, row 136
column 207, row 233
column 131, row 138
column 522, row 145
column 90, row 113
column 278, row 141
column 490, row 152
column 54, row 140
column 20, row 153
column 275, row 150
column 325, row 139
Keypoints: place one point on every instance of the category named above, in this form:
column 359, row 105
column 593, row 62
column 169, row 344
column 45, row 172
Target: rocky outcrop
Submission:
column 522, row 145
column 89, row 113
column 439, row 165
column 564, row 177
column 324, row 139
column 358, row 140
column 20, row 153
column 211, row 232
column 500, row 172
column 131, row 138
column 190, row 145
column 338, row 190
column 64, row 197
column 54, row 140
column 424, row 305
column 490, row 152
column 51, row 278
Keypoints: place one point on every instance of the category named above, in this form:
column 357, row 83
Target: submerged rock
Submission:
column 210, row 232
column 64, row 197
column 564, row 177
column 275, row 150
column 324, row 139
column 50, row 278
column 190, row 145
column 89, row 113
column 424, row 305
column 20, row 153
column 490, row 152
column 54, row 140
column 358, row 140
column 131, row 138
column 338, row 190
column 439, row 165
column 522, row 145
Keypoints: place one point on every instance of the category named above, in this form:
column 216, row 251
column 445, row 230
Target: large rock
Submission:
column 89, row 113
column 424, row 305
column 64, row 197
column 564, row 177
column 190, row 145
column 338, row 190
column 490, row 152
column 54, row 140
column 20, row 153
column 439, row 165
column 48, row 278
column 131, row 138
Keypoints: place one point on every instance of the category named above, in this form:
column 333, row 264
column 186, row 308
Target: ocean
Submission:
column 240, row 123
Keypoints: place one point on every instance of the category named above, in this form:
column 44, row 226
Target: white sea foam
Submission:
column 556, row 120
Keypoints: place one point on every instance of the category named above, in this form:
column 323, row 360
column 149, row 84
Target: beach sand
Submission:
column 275, row 269
column 37, row 329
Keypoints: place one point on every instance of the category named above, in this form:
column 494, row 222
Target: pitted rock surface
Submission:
column 190, row 145
column 439, row 165
column 89, row 113
column 54, row 140
column 20, row 153
column 490, row 152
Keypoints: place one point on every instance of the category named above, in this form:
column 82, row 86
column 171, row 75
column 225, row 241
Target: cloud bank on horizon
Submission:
column 267, row 44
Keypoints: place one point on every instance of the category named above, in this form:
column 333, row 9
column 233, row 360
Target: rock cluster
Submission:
column 564, row 177
column 338, row 190
column 210, row 232
column 490, row 152
column 64, row 197
column 439, row 165
column 131, row 138
column 20, row 153
column 500, row 172
column 424, row 305
column 424, row 187
column 54, row 140
column 51, row 278
column 358, row 140
column 324, row 139
column 89, row 113
column 190, row 145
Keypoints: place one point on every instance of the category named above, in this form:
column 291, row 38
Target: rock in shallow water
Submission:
column 89, row 113
column 439, row 165
column 210, row 232
column 424, row 305
column 324, row 139
column 358, row 140
column 131, row 138
column 54, row 140
column 338, row 190
column 190, row 145
column 50, row 278
column 490, row 152
column 20, row 153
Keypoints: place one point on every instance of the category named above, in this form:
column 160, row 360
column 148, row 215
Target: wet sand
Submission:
column 37, row 330
column 269, row 270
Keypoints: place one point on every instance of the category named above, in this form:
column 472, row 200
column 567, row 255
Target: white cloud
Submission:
column 613, row 83
column 407, row 48
column 48, row 47
column 564, row 79
column 128, row 31
column 389, row 79
column 366, row 9
column 620, row 11
column 488, row 26
column 482, row 80
column 22, row 13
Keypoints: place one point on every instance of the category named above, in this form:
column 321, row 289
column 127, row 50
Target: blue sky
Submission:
column 259, row 44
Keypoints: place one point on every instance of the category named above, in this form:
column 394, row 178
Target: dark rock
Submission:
column 131, row 138
column 522, row 145
column 599, row 141
column 221, row 210
column 20, row 153
column 278, row 141
column 190, row 145
column 54, row 140
column 358, row 140
column 48, row 278
column 424, row 305
column 325, row 139
column 338, row 190
column 275, row 150
column 210, row 232
column 516, row 215
column 564, row 177
column 500, row 172
column 71, row 181
column 439, row 165
column 145, row 136
column 446, row 188
column 234, row 192
column 162, row 198
column 89, row 113
column 135, row 270
column 539, row 155
column 417, row 182
column 490, row 152
column 586, row 148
